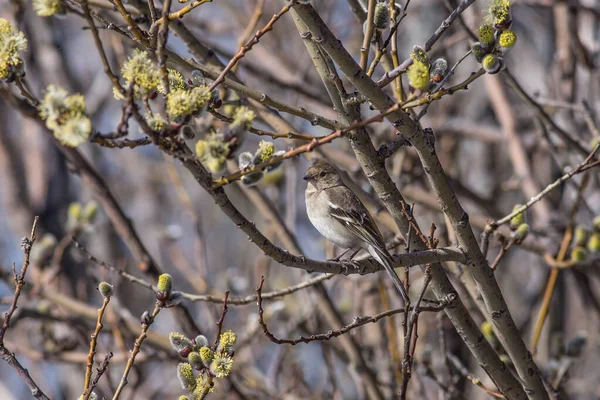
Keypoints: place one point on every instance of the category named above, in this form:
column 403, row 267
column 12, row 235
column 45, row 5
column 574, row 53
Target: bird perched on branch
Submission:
column 339, row 215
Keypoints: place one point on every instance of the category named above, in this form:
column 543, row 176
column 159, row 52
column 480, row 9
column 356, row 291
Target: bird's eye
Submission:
column 322, row 174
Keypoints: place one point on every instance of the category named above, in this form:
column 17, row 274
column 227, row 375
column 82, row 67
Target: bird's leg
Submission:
column 338, row 258
column 354, row 254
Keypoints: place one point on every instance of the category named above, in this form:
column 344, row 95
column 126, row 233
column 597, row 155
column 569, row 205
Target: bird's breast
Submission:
column 317, row 208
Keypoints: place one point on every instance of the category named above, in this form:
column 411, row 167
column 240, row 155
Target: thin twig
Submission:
column 99, row 372
column 93, row 341
column 358, row 321
column 586, row 164
column 248, row 46
column 147, row 320
column 8, row 356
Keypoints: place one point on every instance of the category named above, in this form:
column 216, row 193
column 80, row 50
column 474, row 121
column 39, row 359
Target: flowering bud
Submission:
column 438, row 70
column 581, row 235
column 201, row 341
column 174, row 299
column 418, row 75
column 507, row 39
column 487, row 330
column 164, row 286
column 226, row 342
column 273, row 167
column 105, row 289
column 89, row 211
column 518, row 219
column 578, row 253
column 206, row 354
column 197, row 78
column 521, row 233
column 492, row 64
column 180, row 342
column 185, row 374
column 593, row 243
column 221, row 365
column 419, row 54
column 244, row 160
column 486, row 35
column 265, row 151
column 252, row 178
column 74, row 211
column 195, row 360
column 381, row 19
column 478, row 51
column 596, row 223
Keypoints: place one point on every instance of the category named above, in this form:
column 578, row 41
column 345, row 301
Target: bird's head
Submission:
column 322, row 175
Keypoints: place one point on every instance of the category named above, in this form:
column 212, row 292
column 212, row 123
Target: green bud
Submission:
column 89, row 211
column 105, row 289
column 596, row 223
column 74, row 211
column 578, row 254
column 488, row 331
column 518, row 219
column 581, row 235
column 593, row 243
column 185, row 374
column 521, row 233
column 164, row 286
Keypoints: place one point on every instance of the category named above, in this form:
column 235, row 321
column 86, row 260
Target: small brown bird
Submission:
column 339, row 215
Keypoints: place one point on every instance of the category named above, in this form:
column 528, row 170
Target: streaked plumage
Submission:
column 339, row 215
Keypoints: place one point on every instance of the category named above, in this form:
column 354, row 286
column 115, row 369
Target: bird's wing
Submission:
column 348, row 210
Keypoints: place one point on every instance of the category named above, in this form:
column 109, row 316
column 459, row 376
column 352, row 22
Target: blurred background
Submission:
column 496, row 148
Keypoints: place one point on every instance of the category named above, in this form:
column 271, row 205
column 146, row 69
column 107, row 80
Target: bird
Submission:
column 339, row 215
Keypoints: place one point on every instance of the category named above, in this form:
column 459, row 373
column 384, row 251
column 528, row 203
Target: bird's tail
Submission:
column 384, row 258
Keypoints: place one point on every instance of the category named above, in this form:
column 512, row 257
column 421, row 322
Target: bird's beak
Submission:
column 307, row 177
